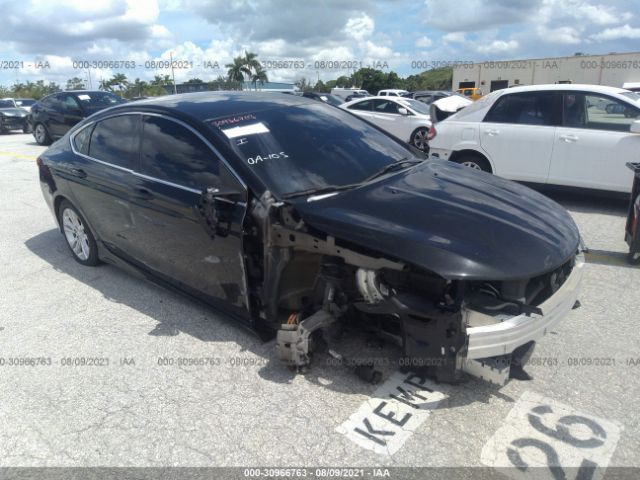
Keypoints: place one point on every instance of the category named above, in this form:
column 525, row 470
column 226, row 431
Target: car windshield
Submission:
column 25, row 102
column 95, row 101
column 6, row 104
column 634, row 96
column 305, row 147
column 416, row 105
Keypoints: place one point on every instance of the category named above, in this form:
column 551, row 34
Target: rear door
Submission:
column 363, row 109
column 176, row 165
column 594, row 142
column 101, row 176
column 518, row 135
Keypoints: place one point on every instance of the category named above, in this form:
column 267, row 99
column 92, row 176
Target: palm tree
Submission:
column 251, row 61
column 105, row 85
column 237, row 70
column 260, row 76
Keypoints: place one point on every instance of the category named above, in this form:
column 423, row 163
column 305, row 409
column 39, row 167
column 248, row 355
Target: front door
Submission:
column 176, row 166
column 594, row 143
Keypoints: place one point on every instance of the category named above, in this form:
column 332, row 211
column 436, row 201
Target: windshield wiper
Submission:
column 397, row 165
column 392, row 167
column 320, row 190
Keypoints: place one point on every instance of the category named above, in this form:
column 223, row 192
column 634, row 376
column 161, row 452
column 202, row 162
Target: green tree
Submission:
column 259, row 76
column 75, row 83
column 237, row 70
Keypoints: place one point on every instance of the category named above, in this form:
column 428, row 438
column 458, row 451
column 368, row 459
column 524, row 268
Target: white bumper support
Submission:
column 504, row 337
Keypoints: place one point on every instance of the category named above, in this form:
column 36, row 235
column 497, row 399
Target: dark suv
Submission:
column 55, row 114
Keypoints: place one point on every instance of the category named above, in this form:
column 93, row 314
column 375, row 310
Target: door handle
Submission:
column 143, row 194
column 78, row 172
column 492, row 132
column 568, row 138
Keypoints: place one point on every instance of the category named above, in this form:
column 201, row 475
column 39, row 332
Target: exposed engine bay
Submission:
column 305, row 284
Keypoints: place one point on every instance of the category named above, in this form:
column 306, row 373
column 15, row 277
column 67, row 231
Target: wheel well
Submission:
column 455, row 156
column 56, row 207
column 417, row 129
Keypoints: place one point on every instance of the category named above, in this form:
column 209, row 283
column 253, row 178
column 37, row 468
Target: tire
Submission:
column 419, row 139
column 41, row 135
column 475, row 162
column 26, row 128
column 633, row 258
column 78, row 236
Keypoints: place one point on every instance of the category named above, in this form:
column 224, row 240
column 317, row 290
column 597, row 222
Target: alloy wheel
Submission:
column 74, row 232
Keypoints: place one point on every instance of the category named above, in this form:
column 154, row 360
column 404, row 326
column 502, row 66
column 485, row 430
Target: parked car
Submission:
column 291, row 216
column 25, row 103
column 404, row 118
column 324, row 97
column 429, row 96
column 353, row 96
column 471, row 93
column 392, row 92
column 562, row 134
column 12, row 117
column 345, row 92
column 53, row 116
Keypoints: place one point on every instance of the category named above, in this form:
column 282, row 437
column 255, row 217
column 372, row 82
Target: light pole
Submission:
column 173, row 75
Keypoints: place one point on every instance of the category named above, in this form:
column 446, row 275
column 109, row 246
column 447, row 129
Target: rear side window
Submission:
column 530, row 108
column 81, row 140
column 116, row 141
column 173, row 153
column 364, row 105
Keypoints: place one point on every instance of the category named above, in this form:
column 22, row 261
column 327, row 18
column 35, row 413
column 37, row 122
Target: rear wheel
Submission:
column 79, row 238
column 419, row 139
column 41, row 135
column 475, row 162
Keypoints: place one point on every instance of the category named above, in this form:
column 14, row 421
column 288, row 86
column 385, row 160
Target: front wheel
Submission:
column 41, row 135
column 419, row 139
column 79, row 238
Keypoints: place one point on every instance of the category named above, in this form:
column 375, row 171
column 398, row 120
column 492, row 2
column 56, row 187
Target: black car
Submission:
column 53, row 116
column 294, row 216
column 324, row 97
column 430, row 96
column 12, row 118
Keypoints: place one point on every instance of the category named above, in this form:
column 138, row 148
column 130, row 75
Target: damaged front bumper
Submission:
column 490, row 339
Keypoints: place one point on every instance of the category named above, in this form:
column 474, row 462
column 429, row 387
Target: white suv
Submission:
column 575, row 135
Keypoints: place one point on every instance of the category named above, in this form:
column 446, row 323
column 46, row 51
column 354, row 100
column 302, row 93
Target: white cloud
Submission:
column 616, row 33
column 360, row 27
column 498, row 46
column 424, row 42
column 562, row 35
column 454, row 37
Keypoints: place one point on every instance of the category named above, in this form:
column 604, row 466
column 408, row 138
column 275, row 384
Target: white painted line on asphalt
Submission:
column 541, row 432
column 394, row 412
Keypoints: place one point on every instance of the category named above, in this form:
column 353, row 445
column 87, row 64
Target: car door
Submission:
column 518, row 135
column 363, row 109
column 53, row 115
column 387, row 117
column 594, row 142
column 71, row 113
column 101, row 176
column 172, row 236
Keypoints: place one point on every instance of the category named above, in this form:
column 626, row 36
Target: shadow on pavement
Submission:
column 586, row 201
column 178, row 314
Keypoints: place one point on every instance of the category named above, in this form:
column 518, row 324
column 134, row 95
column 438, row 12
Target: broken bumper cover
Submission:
column 504, row 337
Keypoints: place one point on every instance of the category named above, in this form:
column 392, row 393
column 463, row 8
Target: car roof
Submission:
column 566, row 86
column 209, row 105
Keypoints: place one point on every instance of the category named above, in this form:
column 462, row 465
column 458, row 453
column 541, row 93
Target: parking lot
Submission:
column 100, row 368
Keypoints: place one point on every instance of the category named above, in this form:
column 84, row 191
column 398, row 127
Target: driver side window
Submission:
column 599, row 112
column 385, row 106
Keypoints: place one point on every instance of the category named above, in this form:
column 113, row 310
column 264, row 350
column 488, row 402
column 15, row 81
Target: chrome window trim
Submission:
column 148, row 177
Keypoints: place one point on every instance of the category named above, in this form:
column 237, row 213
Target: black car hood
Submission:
column 452, row 220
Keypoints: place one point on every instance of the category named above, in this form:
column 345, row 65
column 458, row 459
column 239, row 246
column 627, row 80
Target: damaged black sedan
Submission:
column 295, row 218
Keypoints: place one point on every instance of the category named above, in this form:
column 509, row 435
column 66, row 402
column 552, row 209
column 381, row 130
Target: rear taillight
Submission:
column 431, row 134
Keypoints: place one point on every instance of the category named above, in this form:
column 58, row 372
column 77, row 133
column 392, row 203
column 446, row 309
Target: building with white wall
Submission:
column 613, row 69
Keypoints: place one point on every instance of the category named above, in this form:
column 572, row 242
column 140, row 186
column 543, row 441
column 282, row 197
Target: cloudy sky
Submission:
column 395, row 33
